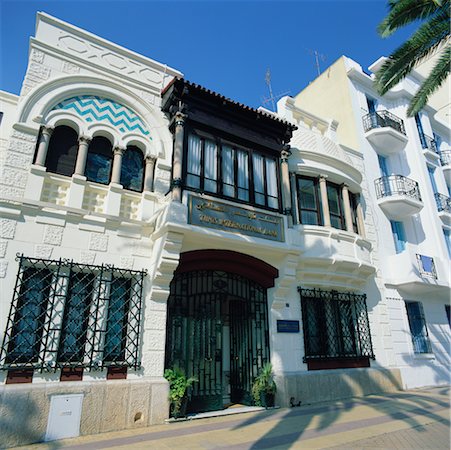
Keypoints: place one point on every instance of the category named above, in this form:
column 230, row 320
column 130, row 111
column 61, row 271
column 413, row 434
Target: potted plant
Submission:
column 264, row 387
column 178, row 390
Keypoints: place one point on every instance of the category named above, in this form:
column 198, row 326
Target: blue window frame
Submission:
column 383, row 165
column 418, row 329
column 420, row 131
column 399, row 236
column 447, row 236
column 431, row 171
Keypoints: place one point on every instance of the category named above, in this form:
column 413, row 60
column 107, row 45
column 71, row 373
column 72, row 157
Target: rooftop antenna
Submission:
column 318, row 56
column 272, row 98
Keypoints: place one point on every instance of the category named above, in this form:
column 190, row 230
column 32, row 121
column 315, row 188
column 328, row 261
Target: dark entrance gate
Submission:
column 202, row 305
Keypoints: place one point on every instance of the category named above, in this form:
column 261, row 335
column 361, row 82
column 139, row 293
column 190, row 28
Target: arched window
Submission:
column 62, row 151
column 99, row 161
column 132, row 170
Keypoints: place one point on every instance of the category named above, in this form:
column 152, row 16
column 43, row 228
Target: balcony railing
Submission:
column 443, row 202
column 428, row 143
column 397, row 185
column 426, row 266
column 445, row 157
column 382, row 119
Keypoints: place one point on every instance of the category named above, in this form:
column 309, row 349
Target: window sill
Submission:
column 423, row 356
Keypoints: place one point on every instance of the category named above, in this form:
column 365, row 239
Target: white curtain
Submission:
column 210, row 166
column 228, row 171
column 193, row 164
column 271, row 183
column 243, row 175
column 259, row 189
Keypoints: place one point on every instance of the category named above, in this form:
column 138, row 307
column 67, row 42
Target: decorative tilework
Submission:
column 97, row 109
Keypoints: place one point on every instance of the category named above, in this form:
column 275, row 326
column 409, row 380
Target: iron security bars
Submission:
column 397, row 185
column 65, row 314
column 382, row 119
column 335, row 325
column 443, row 202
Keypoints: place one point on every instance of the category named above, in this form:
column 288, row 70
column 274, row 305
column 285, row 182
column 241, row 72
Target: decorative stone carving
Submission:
column 37, row 56
column 53, row 235
column 3, row 268
column 69, row 67
column 87, row 257
column 21, row 146
column 43, row 251
column 3, row 247
column 7, row 228
column 98, row 242
column 13, row 159
column 127, row 262
column 24, row 136
column 13, row 177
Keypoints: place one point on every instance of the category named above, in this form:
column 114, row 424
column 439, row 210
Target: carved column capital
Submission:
column 47, row 130
column 119, row 150
column 285, row 153
column 179, row 119
column 150, row 159
column 84, row 140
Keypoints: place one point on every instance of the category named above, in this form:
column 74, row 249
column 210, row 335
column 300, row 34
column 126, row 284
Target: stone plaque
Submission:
column 288, row 326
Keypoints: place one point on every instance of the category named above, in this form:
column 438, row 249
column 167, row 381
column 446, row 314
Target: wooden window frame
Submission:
column 318, row 209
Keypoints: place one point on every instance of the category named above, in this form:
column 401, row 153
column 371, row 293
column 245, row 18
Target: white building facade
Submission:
column 407, row 166
column 148, row 222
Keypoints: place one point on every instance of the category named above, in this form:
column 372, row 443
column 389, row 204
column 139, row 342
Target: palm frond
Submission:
column 425, row 41
column 435, row 79
column 403, row 12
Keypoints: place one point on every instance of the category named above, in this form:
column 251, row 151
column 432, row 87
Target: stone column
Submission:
column 82, row 155
column 347, row 208
column 360, row 219
column 148, row 173
column 117, row 164
column 43, row 146
column 286, row 195
column 178, row 157
column 324, row 200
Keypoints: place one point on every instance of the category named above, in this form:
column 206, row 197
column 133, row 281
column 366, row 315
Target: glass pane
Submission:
column 29, row 318
column 334, row 200
column 309, row 217
column 243, row 169
column 132, row 170
column 98, row 168
column 76, row 313
column 307, row 193
column 210, row 166
column 116, row 329
column 228, row 176
column 271, row 183
column 258, row 179
column 194, row 150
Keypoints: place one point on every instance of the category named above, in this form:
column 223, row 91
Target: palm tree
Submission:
column 432, row 36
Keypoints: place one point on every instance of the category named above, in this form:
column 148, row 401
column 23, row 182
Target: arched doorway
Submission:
column 217, row 327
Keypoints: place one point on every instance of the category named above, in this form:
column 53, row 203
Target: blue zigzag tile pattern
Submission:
column 97, row 109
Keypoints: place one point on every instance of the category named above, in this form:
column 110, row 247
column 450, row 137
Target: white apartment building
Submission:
column 148, row 222
column 407, row 166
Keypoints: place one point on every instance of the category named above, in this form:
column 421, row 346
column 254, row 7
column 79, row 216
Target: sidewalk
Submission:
column 416, row 419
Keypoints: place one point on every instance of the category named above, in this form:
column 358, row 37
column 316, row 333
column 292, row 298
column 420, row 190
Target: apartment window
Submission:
column 65, row 314
column 62, row 151
column 223, row 169
column 337, row 219
column 372, row 105
column 399, row 237
column 447, row 236
column 335, row 325
column 354, row 200
column 99, row 162
column 431, row 172
column 132, row 169
column 420, row 131
column 309, row 201
column 418, row 329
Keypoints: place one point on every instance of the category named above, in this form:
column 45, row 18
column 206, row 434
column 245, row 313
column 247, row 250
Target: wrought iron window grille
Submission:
column 335, row 325
column 66, row 314
column 381, row 119
column 428, row 143
column 397, row 185
column 443, row 202
column 445, row 157
column 426, row 266
column 418, row 328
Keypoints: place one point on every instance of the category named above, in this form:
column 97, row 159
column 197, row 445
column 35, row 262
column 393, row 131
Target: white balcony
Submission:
column 398, row 196
column 445, row 159
column 332, row 258
column 417, row 274
column 385, row 131
column 443, row 208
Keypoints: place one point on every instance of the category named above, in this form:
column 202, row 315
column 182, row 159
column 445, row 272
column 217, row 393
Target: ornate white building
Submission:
column 148, row 222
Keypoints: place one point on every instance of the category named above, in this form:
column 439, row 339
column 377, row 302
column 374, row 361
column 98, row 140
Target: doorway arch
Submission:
column 217, row 327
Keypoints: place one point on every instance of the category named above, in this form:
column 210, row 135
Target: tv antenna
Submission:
column 318, row 57
column 272, row 98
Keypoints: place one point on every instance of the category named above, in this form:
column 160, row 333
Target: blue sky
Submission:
column 224, row 45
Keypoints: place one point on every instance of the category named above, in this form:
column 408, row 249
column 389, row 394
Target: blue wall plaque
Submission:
column 288, row 326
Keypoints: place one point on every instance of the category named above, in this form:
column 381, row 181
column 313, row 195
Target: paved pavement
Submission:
column 416, row 419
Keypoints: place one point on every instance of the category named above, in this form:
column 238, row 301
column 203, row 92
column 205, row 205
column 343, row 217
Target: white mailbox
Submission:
column 64, row 416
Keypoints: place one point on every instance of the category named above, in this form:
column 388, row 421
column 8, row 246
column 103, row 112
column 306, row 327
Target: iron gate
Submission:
column 200, row 303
